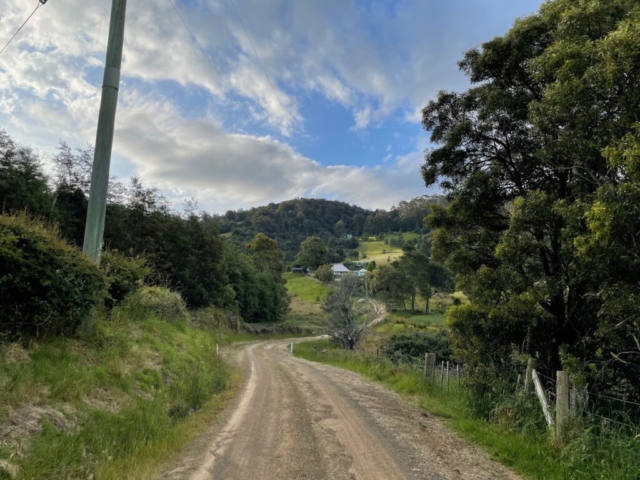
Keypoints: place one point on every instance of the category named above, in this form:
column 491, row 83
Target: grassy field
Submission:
column 307, row 295
column 532, row 455
column 382, row 253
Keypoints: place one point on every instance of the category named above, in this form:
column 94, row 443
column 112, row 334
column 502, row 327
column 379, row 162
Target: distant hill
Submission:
column 292, row 221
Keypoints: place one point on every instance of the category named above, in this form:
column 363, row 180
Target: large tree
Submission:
column 267, row 255
column 312, row 254
column 522, row 157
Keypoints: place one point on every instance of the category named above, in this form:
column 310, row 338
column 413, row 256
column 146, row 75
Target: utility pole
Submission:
column 94, row 229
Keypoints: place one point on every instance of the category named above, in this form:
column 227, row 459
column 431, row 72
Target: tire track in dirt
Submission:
column 296, row 419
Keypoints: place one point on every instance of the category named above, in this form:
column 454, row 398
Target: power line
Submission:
column 40, row 3
column 275, row 92
column 212, row 64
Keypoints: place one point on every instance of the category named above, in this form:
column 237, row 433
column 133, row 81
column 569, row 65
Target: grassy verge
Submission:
column 589, row 456
column 115, row 406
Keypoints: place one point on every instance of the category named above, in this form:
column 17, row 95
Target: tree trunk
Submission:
column 404, row 305
column 413, row 303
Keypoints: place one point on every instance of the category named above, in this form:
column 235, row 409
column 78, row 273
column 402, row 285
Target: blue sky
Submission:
column 336, row 117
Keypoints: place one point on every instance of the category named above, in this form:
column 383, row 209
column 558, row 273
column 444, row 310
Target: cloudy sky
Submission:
column 336, row 115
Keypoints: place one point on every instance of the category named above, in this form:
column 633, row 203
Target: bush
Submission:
column 158, row 301
column 324, row 273
column 124, row 275
column 46, row 285
column 415, row 345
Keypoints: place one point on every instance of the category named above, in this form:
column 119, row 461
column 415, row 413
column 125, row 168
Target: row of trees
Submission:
column 413, row 275
column 540, row 160
column 184, row 252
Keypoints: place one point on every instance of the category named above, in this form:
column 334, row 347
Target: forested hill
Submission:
column 292, row 221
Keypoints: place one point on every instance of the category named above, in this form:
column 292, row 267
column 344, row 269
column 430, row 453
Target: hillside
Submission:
column 292, row 221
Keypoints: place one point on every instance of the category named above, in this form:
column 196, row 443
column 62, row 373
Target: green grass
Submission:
column 305, row 288
column 532, row 455
column 307, row 296
column 374, row 250
column 116, row 405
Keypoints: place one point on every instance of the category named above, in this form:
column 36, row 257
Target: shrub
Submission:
column 324, row 273
column 46, row 285
column 415, row 345
column 159, row 301
column 124, row 275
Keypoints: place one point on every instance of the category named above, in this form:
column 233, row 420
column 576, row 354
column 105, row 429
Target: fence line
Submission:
column 427, row 368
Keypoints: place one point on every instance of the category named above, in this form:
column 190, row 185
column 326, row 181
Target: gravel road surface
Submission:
column 295, row 419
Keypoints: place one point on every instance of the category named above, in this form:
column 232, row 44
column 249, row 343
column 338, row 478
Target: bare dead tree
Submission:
column 349, row 314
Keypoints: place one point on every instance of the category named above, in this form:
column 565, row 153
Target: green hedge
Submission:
column 46, row 285
column 124, row 275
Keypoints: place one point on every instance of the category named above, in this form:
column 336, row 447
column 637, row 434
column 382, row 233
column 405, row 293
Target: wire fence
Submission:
column 448, row 376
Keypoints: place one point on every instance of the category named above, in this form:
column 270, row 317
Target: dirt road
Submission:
column 300, row 420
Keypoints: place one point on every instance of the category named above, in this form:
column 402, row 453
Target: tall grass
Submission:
column 510, row 428
column 116, row 405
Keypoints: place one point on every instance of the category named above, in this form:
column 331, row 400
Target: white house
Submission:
column 339, row 270
column 362, row 273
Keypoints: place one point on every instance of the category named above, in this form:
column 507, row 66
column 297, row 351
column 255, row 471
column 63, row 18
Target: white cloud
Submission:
column 371, row 59
column 362, row 118
column 184, row 156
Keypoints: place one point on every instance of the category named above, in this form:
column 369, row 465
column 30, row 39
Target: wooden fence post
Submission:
column 562, row 403
column 531, row 366
column 541, row 397
column 458, row 375
column 442, row 374
column 426, row 364
column 447, row 375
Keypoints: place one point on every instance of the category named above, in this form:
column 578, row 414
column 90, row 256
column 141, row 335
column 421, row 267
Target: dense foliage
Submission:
column 539, row 159
column 182, row 252
column 46, row 286
column 413, row 345
column 412, row 275
column 293, row 221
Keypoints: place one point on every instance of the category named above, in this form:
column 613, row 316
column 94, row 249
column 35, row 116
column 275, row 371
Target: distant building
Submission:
column 298, row 270
column 339, row 270
column 360, row 264
column 362, row 273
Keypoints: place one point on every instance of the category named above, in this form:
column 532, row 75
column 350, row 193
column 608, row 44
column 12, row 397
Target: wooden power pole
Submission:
column 94, row 229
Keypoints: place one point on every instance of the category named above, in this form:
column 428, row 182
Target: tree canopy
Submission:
column 538, row 160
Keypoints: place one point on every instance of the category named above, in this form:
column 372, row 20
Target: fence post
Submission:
column 432, row 366
column 291, row 347
column 458, row 375
column 528, row 380
column 442, row 374
column 426, row 364
column 541, row 397
column 562, row 403
column 447, row 374
column 217, row 351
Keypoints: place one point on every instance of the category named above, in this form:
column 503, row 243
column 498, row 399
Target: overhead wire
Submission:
column 273, row 89
column 195, row 39
column 40, row 4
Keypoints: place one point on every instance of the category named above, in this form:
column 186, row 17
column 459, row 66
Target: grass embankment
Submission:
column 307, row 296
column 532, row 455
column 115, row 406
